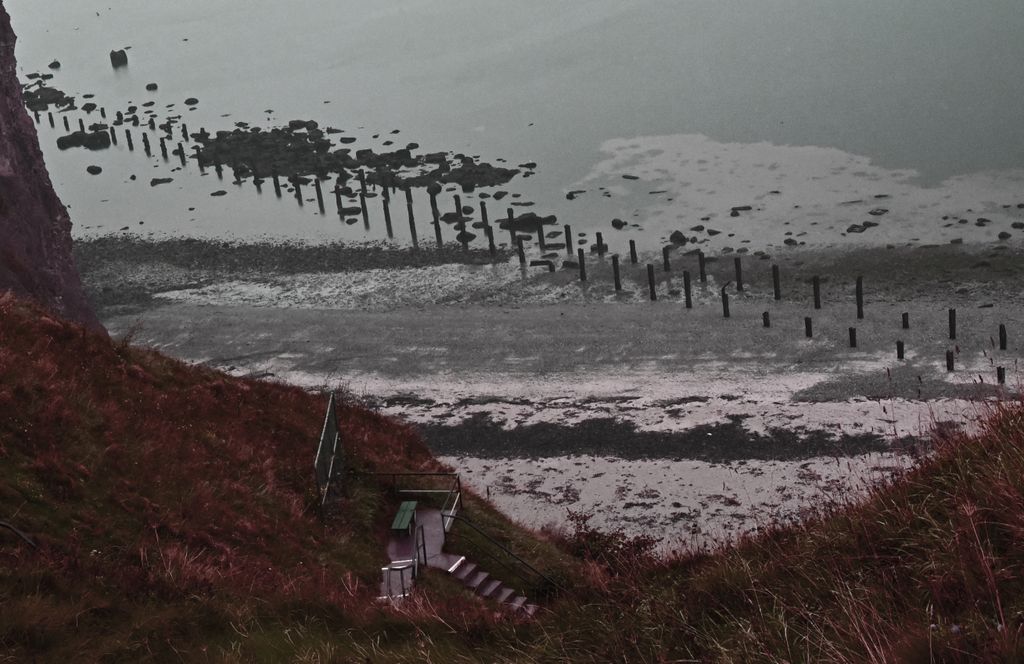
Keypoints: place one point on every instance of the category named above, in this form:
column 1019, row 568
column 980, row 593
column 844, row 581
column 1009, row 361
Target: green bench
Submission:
column 405, row 519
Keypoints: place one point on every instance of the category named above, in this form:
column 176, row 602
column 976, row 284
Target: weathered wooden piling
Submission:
column 163, row 147
column 363, row 211
column 483, row 214
column 81, row 125
column 491, row 247
column 521, row 250
column 152, row 124
column 35, row 114
column 458, row 208
column 687, row 289
column 808, row 329
column 540, row 238
column 582, row 257
column 387, row 217
column 67, row 125
column 181, row 153
column 853, row 337
column 362, row 181
column 219, row 168
column 568, row 240
column 725, row 303
column 949, row 360
column 49, row 116
column 776, row 283
column 147, row 148
column 128, row 140
column 860, row 298
column 766, row 319
column 435, row 214
column 1001, row 375
column 615, row 273
column 650, row 282
column 298, row 191
column 135, row 121
column 1002, row 337
column 103, row 113
column 900, row 350
column 666, row 264
column 184, row 132
column 412, row 220
column 738, row 264
column 277, row 184
column 511, row 226
column 816, row 286
column 633, row 258
column 905, row 320
column 952, row 323
column 113, row 135
column 319, row 193
column 600, row 244
column 702, row 266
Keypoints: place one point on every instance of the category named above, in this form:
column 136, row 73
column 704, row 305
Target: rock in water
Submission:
column 677, row 238
column 93, row 170
column 152, row 87
column 119, row 59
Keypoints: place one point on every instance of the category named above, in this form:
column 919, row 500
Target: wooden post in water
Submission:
column 738, row 263
column 540, row 238
column 1001, row 375
column 337, row 196
column 277, row 183
column 298, row 190
column 437, row 221
column 364, row 211
column 905, row 320
column 81, row 125
column 900, row 350
column 362, row 181
column 725, row 303
column 687, row 289
column 1002, row 337
column 196, row 151
column 387, row 216
column 483, row 214
column 666, row 264
column 853, row 337
column 113, row 135
column 319, row 193
column 650, row 282
column 600, row 244
column 181, row 153
column 491, row 247
column 633, row 258
column 148, row 149
column 184, row 132
column 952, row 323
column 766, row 320
column 49, row 115
column 776, row 283
column 615, row 273
column 128, row 139
column 568, row 240
column 816, row 285
column 522, row 251
column 511, row 226
column 582, row 256
column 67, row 125
column 949, row 360
column 701, row 265
column 860, row 298
column 808, row 331
column 412, row 218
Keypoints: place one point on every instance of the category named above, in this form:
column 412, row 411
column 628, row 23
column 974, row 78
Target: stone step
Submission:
column 517, row 603
column 464, row 570
column 530, row 609
column 504, row 594
column 487, row 589
column 474, row 580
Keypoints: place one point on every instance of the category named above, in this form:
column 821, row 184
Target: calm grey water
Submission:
column 904, row 98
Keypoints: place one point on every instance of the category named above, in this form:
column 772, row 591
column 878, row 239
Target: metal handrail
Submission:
column 507, row 551
column 23, row 536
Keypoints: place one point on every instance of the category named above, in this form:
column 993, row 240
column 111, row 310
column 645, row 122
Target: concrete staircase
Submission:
column 483, row 584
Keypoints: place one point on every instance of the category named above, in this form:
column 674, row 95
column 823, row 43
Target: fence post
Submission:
column 703, row 268
column 436, row 216
column 568, row 240
column 650, row 282
column 632, row 252
column 949, row 360
column 853, row 337
column 583, row 264
column 687, row 289
column 385, row 202
column 320, row 198
column 725, row 303
column 1002, row 337
column 905, row 320
column 952, row 323
column 1001, row 375
column 615, row 272
column 600, row 244
column 522, row 251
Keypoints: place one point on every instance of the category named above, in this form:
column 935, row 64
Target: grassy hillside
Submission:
column 172, row 506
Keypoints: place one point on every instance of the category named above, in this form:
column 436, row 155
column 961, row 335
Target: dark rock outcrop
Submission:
column 35, row 230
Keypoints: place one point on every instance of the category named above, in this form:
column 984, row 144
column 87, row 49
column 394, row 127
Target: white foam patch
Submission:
column 811, row 193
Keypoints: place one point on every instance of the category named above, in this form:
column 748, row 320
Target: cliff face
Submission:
column 35, row 230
